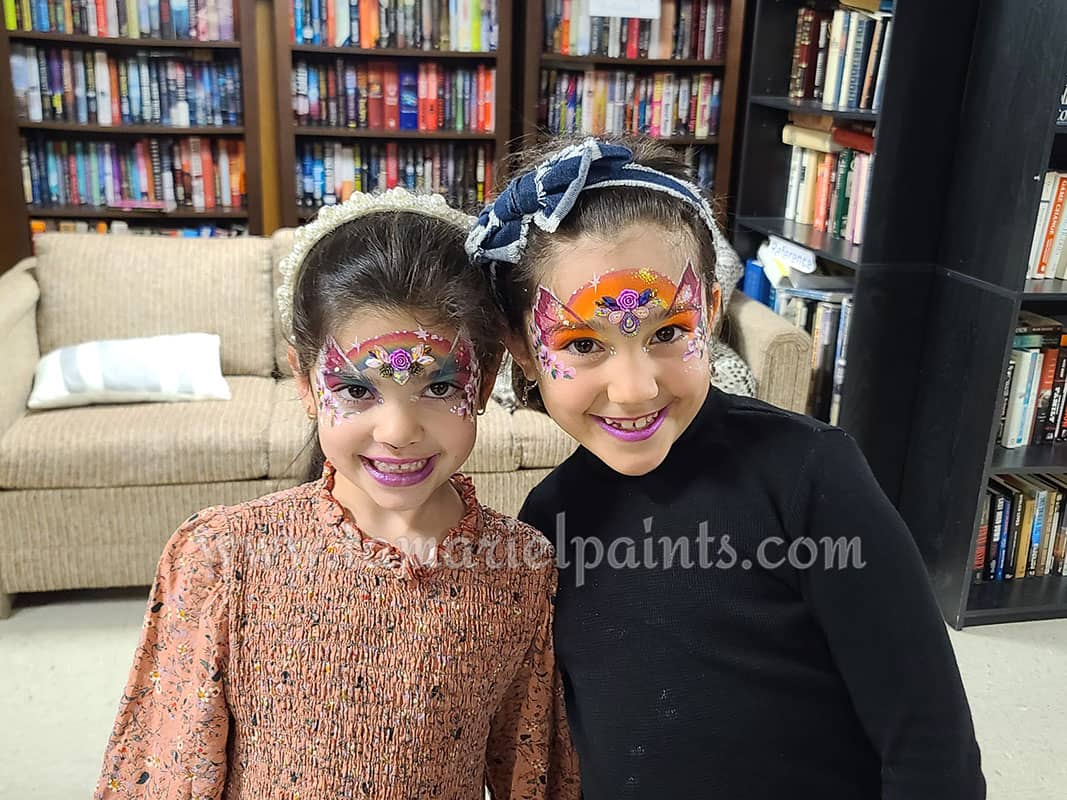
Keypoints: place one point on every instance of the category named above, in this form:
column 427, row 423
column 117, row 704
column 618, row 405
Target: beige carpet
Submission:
column 64, row 658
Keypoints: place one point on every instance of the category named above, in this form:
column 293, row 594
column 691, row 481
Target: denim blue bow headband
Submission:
column 546, row 195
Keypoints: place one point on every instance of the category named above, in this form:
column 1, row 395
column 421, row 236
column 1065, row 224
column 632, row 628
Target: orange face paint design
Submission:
column 624, row 299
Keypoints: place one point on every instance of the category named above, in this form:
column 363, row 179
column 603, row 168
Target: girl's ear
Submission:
column 303, row 385
column 520, row 352
column 714, row 308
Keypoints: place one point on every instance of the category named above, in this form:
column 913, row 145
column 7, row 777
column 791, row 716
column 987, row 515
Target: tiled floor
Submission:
column 64, row 658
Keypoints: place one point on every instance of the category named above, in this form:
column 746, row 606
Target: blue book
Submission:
column 316, row 23
column 754, row 283
column 409, row 97
column 842, row 91
column 133, row 86
column 179, row 12
column 79, row 160
column 40, row 22
column 298, row 21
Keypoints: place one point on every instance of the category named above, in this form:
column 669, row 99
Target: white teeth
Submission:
column 632, row 424
column 411, row 466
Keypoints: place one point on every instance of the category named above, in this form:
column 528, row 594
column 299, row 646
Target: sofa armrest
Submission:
column 18, row 332
column 777, row 352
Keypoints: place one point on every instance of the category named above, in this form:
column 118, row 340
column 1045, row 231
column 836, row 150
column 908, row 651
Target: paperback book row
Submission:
column 1048, row 249
column 826, row 315
column 154, row 173
column 1032, row 405
column 120, row 227
column 387, row 96
column 840, row 57
column 829, row 179
column 443, row 25
column 662, row 104
column 689, row 29
column 93, row 87
column 1022, row 528
column 196, row 20
column 328, row 172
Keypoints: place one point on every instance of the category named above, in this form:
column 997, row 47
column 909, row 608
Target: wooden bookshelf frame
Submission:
column 16, row 212
column 292, row 214
column 529, row 47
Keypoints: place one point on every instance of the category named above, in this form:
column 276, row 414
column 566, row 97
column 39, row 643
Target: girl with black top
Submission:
column 741, row 612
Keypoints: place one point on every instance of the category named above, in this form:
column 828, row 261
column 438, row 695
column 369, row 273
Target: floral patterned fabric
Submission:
column 285, row 653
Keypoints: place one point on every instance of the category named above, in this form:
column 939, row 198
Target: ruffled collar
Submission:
column 378, row 552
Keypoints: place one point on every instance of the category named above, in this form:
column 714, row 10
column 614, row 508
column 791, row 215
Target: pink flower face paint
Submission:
column 349, row 382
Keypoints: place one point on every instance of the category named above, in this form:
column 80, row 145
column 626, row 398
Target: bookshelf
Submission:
column 532, row 52
column 240, row 52
column 439, row 146
column 893, row 268
column 1016, row 78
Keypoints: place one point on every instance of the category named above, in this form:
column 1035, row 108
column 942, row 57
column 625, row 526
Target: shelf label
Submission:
column 645, row 9
column 793, row 255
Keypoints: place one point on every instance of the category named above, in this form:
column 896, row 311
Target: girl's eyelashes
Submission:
column 443, row 390
column 668, row 334
column 583, row 347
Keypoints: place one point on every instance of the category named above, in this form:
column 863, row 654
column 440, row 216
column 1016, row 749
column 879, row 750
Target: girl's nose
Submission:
column 397, row 426
column 633, row 381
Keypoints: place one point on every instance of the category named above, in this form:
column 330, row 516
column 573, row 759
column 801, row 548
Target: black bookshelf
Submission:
column 896, row 263
column 1007, row 140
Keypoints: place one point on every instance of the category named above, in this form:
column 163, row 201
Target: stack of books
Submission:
column 662, row 104
column 685, row 29
column 830, row 172
column 120, row 227
column 196, row 20
column 328, row 172
column 840, row 57
column 1032, row 404
column 1022, row 528
column 148, row 88
column 161, row 174
column 822, row 306
column 468, row 26
column 390, row 95
column 1048, row 249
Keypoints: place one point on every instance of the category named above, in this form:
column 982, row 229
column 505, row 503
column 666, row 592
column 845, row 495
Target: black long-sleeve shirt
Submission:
column 773, row 681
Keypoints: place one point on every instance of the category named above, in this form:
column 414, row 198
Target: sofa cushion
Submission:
column 142, row 444
column 280, row 245
column 494, row 449
column 122, row 287
column 540, row 441
column 288, row 453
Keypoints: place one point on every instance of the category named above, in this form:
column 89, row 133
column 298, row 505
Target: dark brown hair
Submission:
column 400, row 261
column 597, row 213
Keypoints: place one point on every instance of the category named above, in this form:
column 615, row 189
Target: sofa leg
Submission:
column 5, row 604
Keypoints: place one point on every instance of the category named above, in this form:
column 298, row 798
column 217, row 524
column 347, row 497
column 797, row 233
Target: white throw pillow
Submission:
column 184, row 366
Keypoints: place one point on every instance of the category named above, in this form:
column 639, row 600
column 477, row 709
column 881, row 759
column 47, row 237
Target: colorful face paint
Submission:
column 624, row 299
column 348, row 380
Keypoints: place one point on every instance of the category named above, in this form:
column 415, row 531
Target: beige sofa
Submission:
column 89, row 495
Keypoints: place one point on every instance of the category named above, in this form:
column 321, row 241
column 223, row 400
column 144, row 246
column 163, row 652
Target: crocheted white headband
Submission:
column 358, row 205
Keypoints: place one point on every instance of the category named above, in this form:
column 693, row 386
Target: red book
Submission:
column 392, row 165
column 391, row 79
column 424, row 124
column 375, row 99
column 633, row 32
column 702, row 21
column 101, row 18
column 480, row 112
column 208, row 168
column 431, row 97
column 854, row 140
